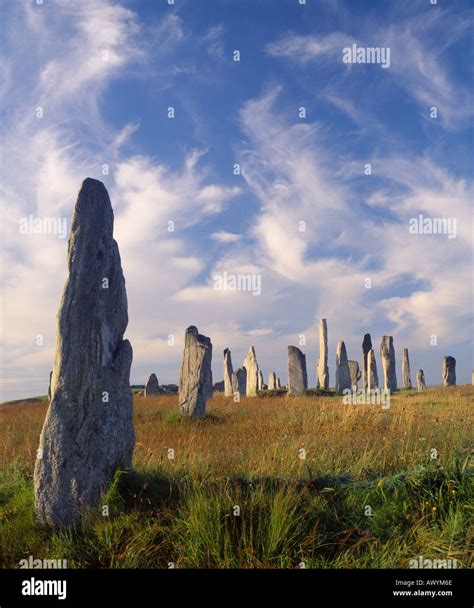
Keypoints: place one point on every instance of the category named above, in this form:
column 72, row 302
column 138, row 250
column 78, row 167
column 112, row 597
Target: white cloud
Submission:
column 225, row 237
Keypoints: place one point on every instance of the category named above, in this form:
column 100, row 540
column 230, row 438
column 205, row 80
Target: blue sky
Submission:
column 112, row 109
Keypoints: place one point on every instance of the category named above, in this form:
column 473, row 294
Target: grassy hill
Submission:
column 267, row 482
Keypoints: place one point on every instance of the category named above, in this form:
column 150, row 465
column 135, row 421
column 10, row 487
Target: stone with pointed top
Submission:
column 272, row 381
column 88, row 431
column 366, row 347
column 297, row 374
column 372, row 376
column 251, row 367
column 343, row 375
column 228, row 371
column 152, row 387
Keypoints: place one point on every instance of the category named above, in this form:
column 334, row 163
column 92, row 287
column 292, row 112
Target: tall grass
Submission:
column 238, row 494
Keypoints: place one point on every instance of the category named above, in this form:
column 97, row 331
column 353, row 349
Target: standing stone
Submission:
column 278, row 383
column 449, row 371
column 366, row 347
column 239, row 381
column 343, row 375
column 251, row 367
column 297, row 374
column 420, row 380
column 152, row 387
column 195, row 374
column 387, row 354
column 323, row 370
column 88, row 431
column 272, row 381
column 49, row 386
column 354, row 372
column 406, row 376
column 261, row 383
column 372, row 376
column 228, row 371
column 317, row 372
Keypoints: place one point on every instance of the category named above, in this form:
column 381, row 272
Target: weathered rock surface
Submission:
column 420, row 380
column 323, row 370
column 228, row 371
column 317, row 372
column 449, row 371
column 278, row 383
column 387, row 354
column 366, row 347
column 195, row 379
column 152, row 387
column 343, row 375
column 372, row 376
column 406, row 375
column 251, row 367
column 239, row 381
column 261, row 383
column 297, row 373
column 88, row 431
column 354, row 372
column 272, row 381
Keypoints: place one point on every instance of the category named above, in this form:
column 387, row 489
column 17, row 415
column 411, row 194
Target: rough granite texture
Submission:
column 387, row 354
column 88, row 431
column 195, row 379
column 228, row 371
column 343, row 375
column 152, row 387
column 297, row 374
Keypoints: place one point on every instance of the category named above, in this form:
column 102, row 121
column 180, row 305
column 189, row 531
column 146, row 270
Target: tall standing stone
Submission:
column 251, row 367
column 261, row 383
column 366, row 347
column 323, row 370
column 343, row 376
column 195, row 374
column 420, row 380
column 372, row 376
column 354, row 372
column 387, row 354
column 228, row 371
column 449, row 371
column 406, row 376
column 297, row 373
column 317, row 372
column 152, row 387
column 272, row 381
column 278, row 383
column 239, row 381
column 88, row 431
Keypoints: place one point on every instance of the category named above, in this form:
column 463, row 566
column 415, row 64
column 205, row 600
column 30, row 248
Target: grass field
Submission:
column 265, row 483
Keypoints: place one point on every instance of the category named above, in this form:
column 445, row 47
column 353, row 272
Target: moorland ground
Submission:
column 273, row 482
